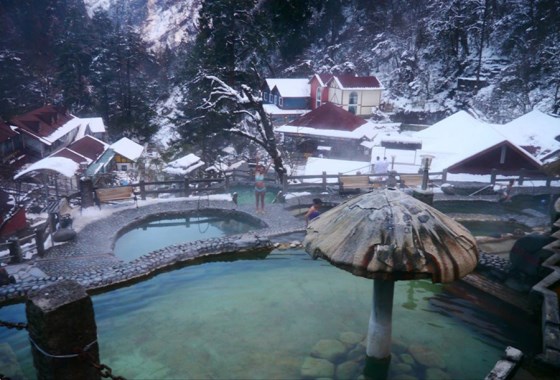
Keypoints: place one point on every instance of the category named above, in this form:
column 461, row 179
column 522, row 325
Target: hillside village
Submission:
column 326, row 125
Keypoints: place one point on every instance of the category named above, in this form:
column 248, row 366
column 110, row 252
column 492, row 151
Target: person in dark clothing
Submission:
column 314, row 211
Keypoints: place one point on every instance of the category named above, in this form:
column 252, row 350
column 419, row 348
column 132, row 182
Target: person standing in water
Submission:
column 314, row 211
column 260, row 187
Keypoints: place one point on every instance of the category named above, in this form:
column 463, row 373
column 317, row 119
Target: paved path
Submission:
column 92, row 250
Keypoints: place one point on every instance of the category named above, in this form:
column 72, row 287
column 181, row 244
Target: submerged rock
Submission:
column 350, row 337
column 426, row 357
column 328, row 349
column 436, row 374
column 315, row 368
column 348, row 370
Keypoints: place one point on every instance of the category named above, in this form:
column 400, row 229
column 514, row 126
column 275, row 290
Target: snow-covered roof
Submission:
column 306, row 131
column 351, row 82
column 455, row 138
column 367, row 131
column 68, row 127
column 62, row 165
column 183, row 165
column 458, row 137
column 95, row 125
column 128, row 148
column 273, row 109
column 289, row 87
column 534, row 129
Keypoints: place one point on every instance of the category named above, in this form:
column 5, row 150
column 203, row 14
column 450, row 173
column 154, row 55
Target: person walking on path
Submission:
column 260, row 187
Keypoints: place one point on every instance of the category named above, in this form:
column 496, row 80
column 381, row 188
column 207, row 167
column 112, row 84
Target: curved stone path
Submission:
column 89, row 259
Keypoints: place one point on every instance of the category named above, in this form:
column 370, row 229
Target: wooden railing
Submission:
column 19, row 248
column 323, row 182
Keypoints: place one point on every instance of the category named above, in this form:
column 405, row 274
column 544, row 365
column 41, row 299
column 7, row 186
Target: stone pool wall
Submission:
column 549, row 291
column 223, row 248
column 89, row 260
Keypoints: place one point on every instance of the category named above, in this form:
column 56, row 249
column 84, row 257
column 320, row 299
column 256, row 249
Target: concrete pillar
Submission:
column 86, row 192
column 381, row 320
column 61, row 320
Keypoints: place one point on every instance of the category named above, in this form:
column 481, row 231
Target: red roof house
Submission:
column 329, row 116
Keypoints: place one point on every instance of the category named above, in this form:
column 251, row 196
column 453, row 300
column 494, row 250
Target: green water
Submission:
column 260, row 319
column 157, row 234
column 246, row 195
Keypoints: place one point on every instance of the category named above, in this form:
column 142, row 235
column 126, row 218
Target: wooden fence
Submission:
column 322, row 182
column 19, row 248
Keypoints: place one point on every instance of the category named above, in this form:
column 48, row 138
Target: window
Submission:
column 318, row 97
column 124, row 168
column 353, row 102
column 281, row 101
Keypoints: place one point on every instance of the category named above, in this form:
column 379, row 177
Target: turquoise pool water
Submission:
column 540, row 203
column 260, row 319
column 246, row 195
column 152, row 235
column 493, row 228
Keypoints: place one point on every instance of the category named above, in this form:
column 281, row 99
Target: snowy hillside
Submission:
column 162, row 23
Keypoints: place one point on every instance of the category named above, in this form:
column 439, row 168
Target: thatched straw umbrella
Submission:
column 388, row 236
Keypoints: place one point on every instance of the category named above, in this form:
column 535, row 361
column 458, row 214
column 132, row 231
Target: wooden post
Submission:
column 86, row 192
column 493, row 174
column 444, row 176
column 142, row 190
column 226, row 183
column 285, row 184
column 56, row 186
column 548, row 181
column 60, row 323
column 186, row 184
column 324, row 181
column 15, row 251
column 40, row 242
column 521, row 176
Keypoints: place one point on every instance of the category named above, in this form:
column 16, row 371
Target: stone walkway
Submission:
column 89, row 259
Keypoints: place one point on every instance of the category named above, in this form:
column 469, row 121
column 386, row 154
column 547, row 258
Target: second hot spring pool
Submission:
column 161, row 231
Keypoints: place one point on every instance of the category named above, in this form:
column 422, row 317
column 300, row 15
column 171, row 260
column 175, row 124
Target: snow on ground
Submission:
column 83, row 217
column 166, row 112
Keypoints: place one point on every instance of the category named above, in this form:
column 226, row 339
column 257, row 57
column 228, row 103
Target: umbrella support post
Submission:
column 380, row 320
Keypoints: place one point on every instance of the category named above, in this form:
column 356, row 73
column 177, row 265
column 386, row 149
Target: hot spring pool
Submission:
column 156, row 233
column 260, row 319
column 493, row 228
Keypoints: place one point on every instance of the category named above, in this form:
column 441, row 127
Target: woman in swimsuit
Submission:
column 260, row 187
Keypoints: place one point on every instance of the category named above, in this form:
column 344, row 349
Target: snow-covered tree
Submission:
column 238, row 112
